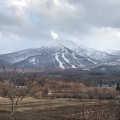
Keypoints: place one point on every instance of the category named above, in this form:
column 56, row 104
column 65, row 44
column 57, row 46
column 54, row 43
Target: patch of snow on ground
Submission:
column 60, row 63
column 91, row 61
column 54, row 61
column 63, row 55
column 80, row 65
column 33, row 61
column 74, row 56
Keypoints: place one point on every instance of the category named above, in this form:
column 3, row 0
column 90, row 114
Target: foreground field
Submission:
column 62, row 109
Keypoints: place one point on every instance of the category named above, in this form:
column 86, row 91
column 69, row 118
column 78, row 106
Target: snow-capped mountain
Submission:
column 60, row 54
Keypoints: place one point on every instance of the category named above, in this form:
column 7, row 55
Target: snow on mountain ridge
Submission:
column 112, row 52
column 84, row 51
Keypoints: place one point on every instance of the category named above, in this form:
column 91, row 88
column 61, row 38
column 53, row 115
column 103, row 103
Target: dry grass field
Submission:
column 61, row 109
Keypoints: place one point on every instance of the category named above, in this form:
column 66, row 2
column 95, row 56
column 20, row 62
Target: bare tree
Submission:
column 18, row 84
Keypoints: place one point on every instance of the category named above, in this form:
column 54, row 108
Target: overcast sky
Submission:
column 32, row 23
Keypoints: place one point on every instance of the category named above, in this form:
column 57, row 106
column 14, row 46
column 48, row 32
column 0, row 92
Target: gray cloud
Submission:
column 30, row 23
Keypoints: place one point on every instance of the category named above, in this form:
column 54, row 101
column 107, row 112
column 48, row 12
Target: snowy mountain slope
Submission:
column 55, row 58
column 113, row 52
column 116, row 60
column 60, row 54
column 99, row 56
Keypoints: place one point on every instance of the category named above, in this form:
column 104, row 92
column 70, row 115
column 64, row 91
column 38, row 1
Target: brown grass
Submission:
column 60, row 109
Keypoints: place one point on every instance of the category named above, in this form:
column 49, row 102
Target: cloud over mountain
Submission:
column 28, row 23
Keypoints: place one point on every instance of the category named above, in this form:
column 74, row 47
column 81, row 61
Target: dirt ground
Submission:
column 61, row 109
